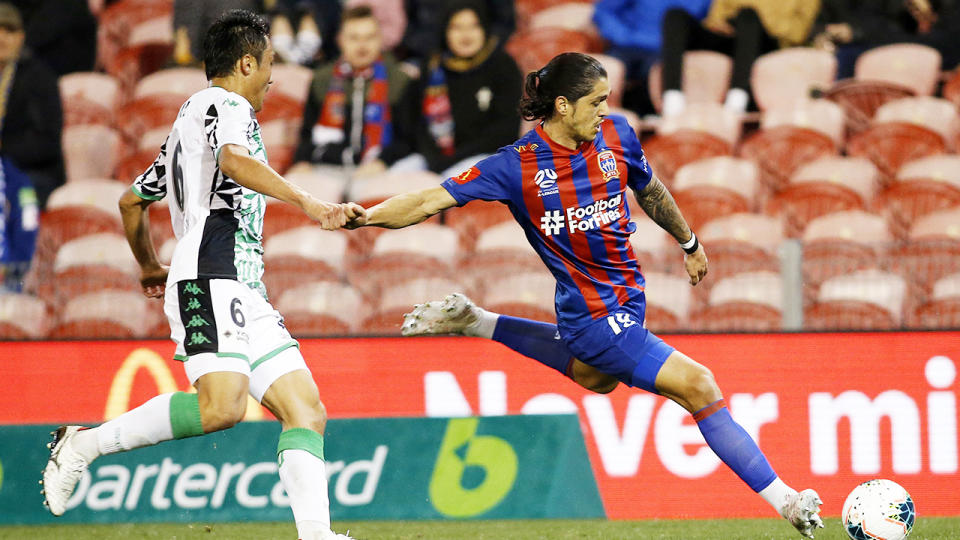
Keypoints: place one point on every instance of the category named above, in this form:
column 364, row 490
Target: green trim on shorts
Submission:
column 271, row 354
column 301, row 439
column 184, row 358
column 185, row 415
column 137, row 192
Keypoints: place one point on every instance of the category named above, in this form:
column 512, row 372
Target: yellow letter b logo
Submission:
column 473, row 473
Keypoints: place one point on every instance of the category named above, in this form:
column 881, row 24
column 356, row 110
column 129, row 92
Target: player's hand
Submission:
column 696, row 265
column 356, row 215
column 154, row 281
column 330, row 216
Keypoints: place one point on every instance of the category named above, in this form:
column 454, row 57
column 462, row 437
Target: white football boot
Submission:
column 64, row 469
column 455, row 314
column 803, row 512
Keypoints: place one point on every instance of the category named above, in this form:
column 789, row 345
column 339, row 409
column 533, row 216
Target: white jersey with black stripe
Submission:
column 218, row 223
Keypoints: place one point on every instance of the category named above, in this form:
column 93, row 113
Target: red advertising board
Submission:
column 829, row 410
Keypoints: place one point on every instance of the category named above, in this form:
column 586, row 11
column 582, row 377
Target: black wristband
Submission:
column 693, row 247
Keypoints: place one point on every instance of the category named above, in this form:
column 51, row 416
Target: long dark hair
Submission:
column 572, row 75
column 235, row 34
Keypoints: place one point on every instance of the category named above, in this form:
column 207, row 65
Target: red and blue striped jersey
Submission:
column 572, row 205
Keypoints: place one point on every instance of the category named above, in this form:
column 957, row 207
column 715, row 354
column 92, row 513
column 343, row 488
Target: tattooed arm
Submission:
column 656, row 201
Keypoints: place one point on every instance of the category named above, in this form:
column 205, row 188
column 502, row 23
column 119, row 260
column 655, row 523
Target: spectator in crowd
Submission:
column 60, row 33
column 349, row 116
column 744, row 29
column 464, row 107
column 30, row 112
column 300, row 29
column 192, row 18
column 19, row 218
column 632, row 28
column 425, row 22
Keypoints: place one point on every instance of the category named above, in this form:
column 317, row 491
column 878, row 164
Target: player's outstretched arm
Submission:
column 658, row 203
column 136, row 226
column 250, row 173
column 406, row 209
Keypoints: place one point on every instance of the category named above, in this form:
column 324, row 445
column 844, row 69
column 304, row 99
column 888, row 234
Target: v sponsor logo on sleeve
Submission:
column 582, row 218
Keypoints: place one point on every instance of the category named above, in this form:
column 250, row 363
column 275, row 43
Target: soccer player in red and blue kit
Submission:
column 566, row 184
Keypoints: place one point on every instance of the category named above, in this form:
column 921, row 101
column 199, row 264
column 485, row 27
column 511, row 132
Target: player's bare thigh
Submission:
column 592, row 378
column 223, row 399
column 295, row 401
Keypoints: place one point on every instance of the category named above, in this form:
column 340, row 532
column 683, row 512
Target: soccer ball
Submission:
column 878, row 510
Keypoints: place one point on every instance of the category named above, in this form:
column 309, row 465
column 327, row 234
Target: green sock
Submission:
column 185, row 415
column 301, row 439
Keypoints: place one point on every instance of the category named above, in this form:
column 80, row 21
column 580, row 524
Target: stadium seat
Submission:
column 90, row 263
column 499, row 250
column 932, row 250
column 532, row 49
column 428, row 250
column 669, row 300
column 668, row 151
column 22, row 316
column 711, row 118
column 827, row 185
column 936, row 114
column 570, row 15
column 280, row 141
column 652, row 245
column 923, row 186
column 705, row 78
column 616, row 76
column 526, row 9
column 529, row 295
column 942, row 311
column 843, row 242
column 280, row 216
column 784, row 78
column 150, row 112
column 864, row 300
column 398, row 298
column 324, row 187
column 951, row 89
column 89, row 98
column 180, row 82
column 471, row 219
column 106, row 314
column 90, row 151
column 746, row 302
column 322, row 308
column 781, row 150
column 861, row 99
column 133, row 62
column 376, row 189
column 118, row 20
column 817, row 114
column 740, row 243
column 715, row 187
column 909, row 65
column 303, row 254
column 288, row 93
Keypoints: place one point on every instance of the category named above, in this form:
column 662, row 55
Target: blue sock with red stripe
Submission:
column 734, row 446
column 534, row 339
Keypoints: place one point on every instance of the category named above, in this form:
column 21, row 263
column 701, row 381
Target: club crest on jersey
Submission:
column 608, row 165
column 467, row 175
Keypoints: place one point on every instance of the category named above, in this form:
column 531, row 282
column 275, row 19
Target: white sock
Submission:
column 737, row 99
column 674, row 102
column 777, row 494
column 145, row 425
column 484, row 326
column 304, row 478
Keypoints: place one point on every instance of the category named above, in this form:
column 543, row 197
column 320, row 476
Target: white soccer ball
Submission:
column 878, row 510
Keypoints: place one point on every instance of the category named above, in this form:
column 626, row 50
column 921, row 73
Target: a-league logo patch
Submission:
column 467, row 175
column 608, row 165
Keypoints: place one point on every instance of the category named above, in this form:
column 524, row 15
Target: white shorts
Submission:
column 223, row 325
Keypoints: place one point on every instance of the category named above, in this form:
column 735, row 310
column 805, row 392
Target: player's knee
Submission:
column 701, row 386
column 222, row 416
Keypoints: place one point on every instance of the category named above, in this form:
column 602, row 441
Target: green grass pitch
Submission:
column 725, row 529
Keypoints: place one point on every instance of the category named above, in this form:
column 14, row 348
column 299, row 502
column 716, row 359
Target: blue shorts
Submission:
column 620, row 346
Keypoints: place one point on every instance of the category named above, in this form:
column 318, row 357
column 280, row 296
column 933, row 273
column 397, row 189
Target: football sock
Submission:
column 534, row 339
column 167, row 416
column 484, row 325
column 304, row 478
column 777, row 494
column 734, row 446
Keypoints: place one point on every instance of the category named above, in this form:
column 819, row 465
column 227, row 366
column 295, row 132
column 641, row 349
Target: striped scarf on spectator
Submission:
column 377, row 128
column 436, row 108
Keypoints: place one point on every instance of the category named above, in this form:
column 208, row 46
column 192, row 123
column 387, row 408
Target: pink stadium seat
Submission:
column 532, row 49
column 303, row 254
column 321, row 186
column 830, row 184
column 669, row 300
column 473, row 218
column 746, row 302
column 843, row 242
column 529, row 295
column 498, row 250
column 425, row 251
column 616, row 76
column 91, row 263
column 397, row 298
column 149, row 112
column 575, row 16
column 715, row 187
column 106, row 314
column 651, row 244
column 280, row 140
column 943, row 308
column 936, row 114
column 376, row 189
column 864, row 300
column 891, row 144
column 705, row 78
column 90, row 151
column 181, row 82
column 781, row 150
column 118, row 20
column 741, row 243
column 910, row 65
column 709, row 118
column 817, row 114
column 924, row 186
column 783, row 78
column 861, row 99
column 22, row 316
column 526, row 9
column 280, row 216
column 951, row 89
column 133, row 62
column 933, row 247
column 89, row 98
column 322, row 308
column 288, row 93
column 667, row 153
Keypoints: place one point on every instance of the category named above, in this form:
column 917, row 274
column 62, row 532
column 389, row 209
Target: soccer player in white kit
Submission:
column 230, row 339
